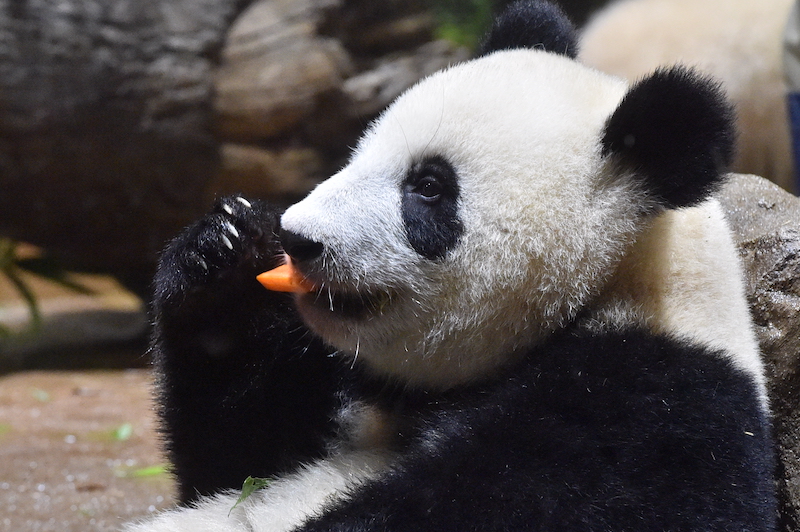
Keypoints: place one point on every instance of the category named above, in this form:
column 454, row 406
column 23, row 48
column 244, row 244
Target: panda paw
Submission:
column 231, row 244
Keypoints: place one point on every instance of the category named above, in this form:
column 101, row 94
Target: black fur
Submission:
column 676, row 129
column 624, row 432
column 621, row 431
column 532, row 24
column 244, row 389
column 430, row 208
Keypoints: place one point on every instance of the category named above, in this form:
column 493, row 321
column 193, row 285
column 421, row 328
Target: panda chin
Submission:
column 353, row 306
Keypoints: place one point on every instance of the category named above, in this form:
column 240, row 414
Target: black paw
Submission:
column 229, row 246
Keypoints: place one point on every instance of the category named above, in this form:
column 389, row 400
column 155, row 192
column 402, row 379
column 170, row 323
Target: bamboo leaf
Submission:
column 142, row 472
column 123, row 432
column 250, row 485
column 27, row 295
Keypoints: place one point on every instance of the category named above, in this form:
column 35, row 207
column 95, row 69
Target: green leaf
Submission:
column 8, row 253
column 463, row 22
column 11, row 265
column 40, row 395
column 123, row 432
column 27, row 295
column 151, row 471
column 250, row 485
column 142, row 472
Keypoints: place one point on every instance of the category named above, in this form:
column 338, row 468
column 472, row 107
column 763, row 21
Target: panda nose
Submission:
column 298, row 247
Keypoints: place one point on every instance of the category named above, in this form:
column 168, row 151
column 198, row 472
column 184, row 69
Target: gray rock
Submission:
column 112, row 114
column 302, row 74
column 274, row 67
column 283, row 175
column 105, row 125
column 766, row 221
column 369, row 29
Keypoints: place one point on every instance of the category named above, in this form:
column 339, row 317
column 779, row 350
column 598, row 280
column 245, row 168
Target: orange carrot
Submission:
column 285, row 279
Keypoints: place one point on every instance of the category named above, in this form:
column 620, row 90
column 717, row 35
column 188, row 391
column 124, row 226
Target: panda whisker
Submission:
column 403, row 131
column 318, row 294
column 438, row 125
column 355, row 355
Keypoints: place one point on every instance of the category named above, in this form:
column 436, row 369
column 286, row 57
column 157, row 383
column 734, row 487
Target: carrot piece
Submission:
column 285, row 278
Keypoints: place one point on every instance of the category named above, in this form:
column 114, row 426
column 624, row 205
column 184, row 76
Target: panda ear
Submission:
column 532, row 24
column 675, row 129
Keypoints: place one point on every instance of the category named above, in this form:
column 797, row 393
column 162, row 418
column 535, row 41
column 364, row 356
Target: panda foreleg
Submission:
column 244, row 388
column 283, row 506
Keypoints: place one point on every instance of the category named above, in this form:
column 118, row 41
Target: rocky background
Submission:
column 121, row 120
column 766, row 224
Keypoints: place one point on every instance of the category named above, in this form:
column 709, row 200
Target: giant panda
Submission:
column 527, row 314
column 737, row 41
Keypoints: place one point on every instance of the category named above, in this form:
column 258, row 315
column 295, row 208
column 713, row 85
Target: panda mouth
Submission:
column 349, row 305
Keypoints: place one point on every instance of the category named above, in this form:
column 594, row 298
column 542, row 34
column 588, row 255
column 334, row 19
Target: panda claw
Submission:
column 231, row 228
column 234, row 241
column 194, row 258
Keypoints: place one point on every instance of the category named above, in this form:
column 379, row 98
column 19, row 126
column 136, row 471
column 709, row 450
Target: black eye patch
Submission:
column 430, row 208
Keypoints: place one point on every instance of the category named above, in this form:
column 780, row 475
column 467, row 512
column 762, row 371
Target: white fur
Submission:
column 683, row 277
column 736, row 41
column 282, row 506
column 518, row 126
column 546, row 222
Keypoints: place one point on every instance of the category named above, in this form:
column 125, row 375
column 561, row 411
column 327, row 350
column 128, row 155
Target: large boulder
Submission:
column 766, row 221
column 121, row 119
column 299, row 79
column 106, row 141
column 274, row 66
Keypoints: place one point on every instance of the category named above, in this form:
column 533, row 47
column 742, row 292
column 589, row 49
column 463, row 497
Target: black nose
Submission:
column 299, row 247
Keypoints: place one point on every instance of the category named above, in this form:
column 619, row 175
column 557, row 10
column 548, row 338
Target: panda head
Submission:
column 492, row 201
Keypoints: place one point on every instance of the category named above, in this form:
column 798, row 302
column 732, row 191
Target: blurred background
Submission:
column 122, row 120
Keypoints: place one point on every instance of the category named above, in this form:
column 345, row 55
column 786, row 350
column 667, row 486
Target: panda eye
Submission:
column 430, row 198
column 429, row 189
column 431, row 183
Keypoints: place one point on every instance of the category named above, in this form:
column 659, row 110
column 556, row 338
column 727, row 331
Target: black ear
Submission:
column 532, row 24
column 675, row 129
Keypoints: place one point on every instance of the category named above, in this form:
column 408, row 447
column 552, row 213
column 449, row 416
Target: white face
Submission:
column 529, row 224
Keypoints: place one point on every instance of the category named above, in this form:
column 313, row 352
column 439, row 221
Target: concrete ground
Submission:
column 79, row 449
